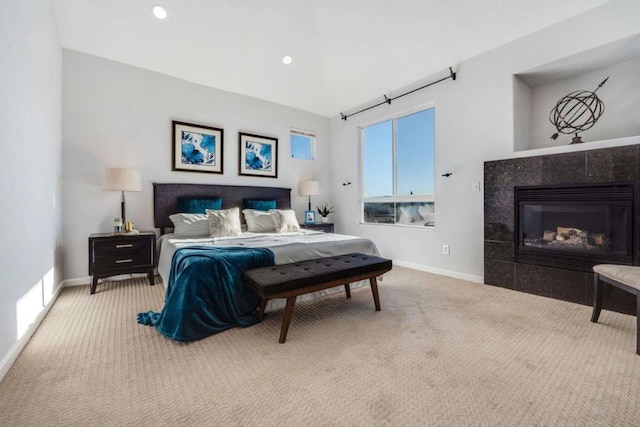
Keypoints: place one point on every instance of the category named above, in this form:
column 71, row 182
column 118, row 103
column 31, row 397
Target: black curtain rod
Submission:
column 388, row 100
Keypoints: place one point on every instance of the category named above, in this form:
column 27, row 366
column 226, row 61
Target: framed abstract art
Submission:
column 258, row 155
column 197, row 148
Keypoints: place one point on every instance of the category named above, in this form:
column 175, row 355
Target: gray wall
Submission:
column 116, row 115
column 30, row 176
column 474, row 123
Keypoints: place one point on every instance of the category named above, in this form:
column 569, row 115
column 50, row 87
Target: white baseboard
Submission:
column 9, row 359
column 454, row 274
column 84, row 281
column 78, row 281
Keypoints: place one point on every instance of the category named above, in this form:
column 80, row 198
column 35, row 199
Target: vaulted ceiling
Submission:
column 345, row 52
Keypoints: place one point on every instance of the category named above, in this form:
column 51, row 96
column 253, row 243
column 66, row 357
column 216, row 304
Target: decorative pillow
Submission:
column 190, row 225
column 258, row 221
column 259, row 204
column 224, row 223
column 285, row 220
column 198, row 206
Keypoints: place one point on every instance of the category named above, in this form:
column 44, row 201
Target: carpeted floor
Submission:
column 441, row 352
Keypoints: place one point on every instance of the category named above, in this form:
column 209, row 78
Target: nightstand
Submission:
column 325, row 228
column 110, row 255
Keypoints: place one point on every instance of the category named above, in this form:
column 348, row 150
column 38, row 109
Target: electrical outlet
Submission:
column 445, row 249
column 475, row 186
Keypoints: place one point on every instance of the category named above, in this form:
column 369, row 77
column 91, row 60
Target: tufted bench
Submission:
column 299, row 278
column 621, row 276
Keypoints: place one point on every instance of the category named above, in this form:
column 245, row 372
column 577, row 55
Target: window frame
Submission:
column 395, row 198
column 312, row 135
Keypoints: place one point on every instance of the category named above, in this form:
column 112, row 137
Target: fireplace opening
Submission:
column 575, row 227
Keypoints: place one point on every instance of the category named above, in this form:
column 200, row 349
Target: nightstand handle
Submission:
column 130, row 245
column 122, row 261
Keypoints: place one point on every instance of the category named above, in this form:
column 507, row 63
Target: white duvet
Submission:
column 287, row 247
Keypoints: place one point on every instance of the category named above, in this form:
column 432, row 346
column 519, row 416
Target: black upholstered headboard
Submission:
column 165, row 198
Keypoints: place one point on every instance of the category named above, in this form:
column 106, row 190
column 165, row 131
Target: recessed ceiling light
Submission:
column 159, row 12
column 287, row 60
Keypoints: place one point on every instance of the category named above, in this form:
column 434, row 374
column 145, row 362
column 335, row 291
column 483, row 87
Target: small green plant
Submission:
column 324, row 210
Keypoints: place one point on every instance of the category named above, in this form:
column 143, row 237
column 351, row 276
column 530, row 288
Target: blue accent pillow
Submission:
column 259, row 204
column 198, row 206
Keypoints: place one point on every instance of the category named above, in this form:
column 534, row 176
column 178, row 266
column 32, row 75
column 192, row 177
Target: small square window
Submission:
column 302, row 145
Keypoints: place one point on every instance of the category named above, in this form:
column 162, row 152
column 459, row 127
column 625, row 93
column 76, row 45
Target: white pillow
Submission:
column 259, row 221
column 224, row 222
column 190, row 225
column 285, row 220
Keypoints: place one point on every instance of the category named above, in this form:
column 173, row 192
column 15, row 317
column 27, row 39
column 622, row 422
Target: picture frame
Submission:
column 257, row 155
column 309, row 217
column 197, row 148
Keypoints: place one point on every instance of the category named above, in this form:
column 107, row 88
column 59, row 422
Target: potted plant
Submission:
column 324, row 211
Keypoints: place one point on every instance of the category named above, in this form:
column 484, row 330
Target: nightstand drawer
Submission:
column 123, row 260
column 116, row 247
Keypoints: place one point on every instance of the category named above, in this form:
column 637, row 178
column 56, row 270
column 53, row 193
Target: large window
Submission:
column 398, row 170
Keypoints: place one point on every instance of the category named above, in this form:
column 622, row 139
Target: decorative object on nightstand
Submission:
column 121, row 180
column 309, row 217
column 324, row 211
column 111, row 255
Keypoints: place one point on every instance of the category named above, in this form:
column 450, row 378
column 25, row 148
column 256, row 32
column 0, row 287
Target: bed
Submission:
column 285, row 247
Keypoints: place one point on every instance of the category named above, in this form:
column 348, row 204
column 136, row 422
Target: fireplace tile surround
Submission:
column 607, row 165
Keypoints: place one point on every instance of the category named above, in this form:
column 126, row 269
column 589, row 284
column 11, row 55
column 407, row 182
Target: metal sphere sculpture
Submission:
column 577, row 112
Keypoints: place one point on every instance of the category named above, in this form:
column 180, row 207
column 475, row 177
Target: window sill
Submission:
column 381, row 224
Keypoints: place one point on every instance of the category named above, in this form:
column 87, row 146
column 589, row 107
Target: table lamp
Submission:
column 122, row 180
column 309, row 188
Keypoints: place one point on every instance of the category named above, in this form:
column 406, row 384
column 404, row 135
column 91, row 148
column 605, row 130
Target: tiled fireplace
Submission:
column 549, row 219
column 574, row 226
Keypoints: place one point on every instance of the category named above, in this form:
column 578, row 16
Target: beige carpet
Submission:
column 442, row 352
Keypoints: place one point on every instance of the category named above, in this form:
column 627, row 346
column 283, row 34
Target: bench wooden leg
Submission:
column 598, row 294
column 347, row 289
column 263, row 304
column 288, row 313
column 374, row 289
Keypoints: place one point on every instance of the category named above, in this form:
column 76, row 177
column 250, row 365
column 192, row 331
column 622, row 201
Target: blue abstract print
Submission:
column 257, row 156
column 198, row 148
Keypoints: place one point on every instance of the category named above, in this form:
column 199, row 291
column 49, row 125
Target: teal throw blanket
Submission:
column 205, row 294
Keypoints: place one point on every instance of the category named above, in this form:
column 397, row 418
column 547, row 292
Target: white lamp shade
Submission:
column 121, row 180
column 309, row 188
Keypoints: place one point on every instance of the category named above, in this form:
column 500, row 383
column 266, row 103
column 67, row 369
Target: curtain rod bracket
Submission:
column 387, row 99
column 452, row 74
column 343, row 117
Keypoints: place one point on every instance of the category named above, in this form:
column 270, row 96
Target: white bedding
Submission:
column 287, row 247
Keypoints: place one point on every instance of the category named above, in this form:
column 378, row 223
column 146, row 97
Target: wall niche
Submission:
column 537, row 91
